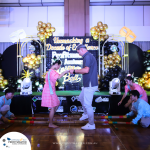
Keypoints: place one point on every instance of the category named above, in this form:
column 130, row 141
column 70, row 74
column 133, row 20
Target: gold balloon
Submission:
column 44, row 25
column 105, row 63
column 120, row 65
column 37, row 62
column 117, row 61
column 38, row 57
column 40, row 23
column 99, row 24
column 110, row 62
column 1, row 70
column 26, row 65
column 102, row 38
column 42, row 29
column 24, row 59
column 105, row 26
column 31, row 61
column 99, row 77
column 47, row 29
column 5, row 82
column 118, row 57
column 29, row 66
column 111, row 66
column 148, row 74
column 42, row 37
column 95, row 36
column 115, row 53
column 113, row 57
column 140, row 84
column 106, row 66
column 103, row 32
column 1, row 77
column 97, row 33
column 97, row 29
column 0, row 74
column 110, row 56
column 114, row 65
column 101, row 27
column 145, row 76
column 37, row 65
column 49, row 33
column 2, row 86
column 46, row 36
column 38, row 28
column 106, row 36
column 148, row 50
column 105, row 57
column 52, row 29
column 1, row 81
column 33, row 55
column 28, row 55
column 93, row 30
column 48, row 24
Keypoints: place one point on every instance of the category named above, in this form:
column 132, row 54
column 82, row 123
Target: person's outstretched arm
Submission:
column 63, row 73
column 124, row 95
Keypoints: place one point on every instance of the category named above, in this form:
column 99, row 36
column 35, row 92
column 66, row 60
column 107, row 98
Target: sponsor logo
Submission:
column 100, row 99
column 73, row 98
column 73, row 109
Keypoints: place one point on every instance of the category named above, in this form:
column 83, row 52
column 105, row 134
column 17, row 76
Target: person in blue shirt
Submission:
column 5, row 102
column 140, row 108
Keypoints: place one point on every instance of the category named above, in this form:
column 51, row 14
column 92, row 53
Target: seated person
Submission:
column 140, row 108
column 5, row 102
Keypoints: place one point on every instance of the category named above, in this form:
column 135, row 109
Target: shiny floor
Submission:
column 71, row 137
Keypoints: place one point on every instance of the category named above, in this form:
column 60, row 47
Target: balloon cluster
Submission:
column 112, row 60
column 111, row 73
column 100, row 29
column 3, row 82
column 144, row 81
column 45, row 30
column 32, row 61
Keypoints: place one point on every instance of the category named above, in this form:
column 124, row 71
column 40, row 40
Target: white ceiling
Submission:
column 21, row 3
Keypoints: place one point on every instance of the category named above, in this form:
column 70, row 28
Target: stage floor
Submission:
column 71, row 137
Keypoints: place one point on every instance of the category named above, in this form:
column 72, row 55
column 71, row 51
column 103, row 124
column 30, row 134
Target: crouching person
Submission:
column 140, row 108
column 5, row 102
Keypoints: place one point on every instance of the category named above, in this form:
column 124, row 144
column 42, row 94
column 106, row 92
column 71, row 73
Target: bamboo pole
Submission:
column 65, row 122
column 72, row 117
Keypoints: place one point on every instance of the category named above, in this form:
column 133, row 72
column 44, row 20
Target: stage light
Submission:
column 114, row 87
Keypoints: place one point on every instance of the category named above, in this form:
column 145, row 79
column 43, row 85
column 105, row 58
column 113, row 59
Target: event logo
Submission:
column 14, row 140
column 73, row 109
column 100, row 99
column 73, row 98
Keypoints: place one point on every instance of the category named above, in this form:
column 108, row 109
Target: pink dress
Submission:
column 137, row 87
column 50, row 100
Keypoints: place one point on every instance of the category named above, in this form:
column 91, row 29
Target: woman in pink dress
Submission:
column 49, row 97
column 130, row 85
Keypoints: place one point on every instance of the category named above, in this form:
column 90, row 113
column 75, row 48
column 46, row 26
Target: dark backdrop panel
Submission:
column 9, row 63
column 135, row 60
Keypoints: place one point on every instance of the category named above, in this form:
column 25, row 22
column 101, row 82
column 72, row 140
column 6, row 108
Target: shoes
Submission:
column 83, row 117
column 88, row 127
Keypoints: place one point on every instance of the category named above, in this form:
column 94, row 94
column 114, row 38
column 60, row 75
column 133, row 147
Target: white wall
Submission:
column 15, row 18
column 135, row 18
